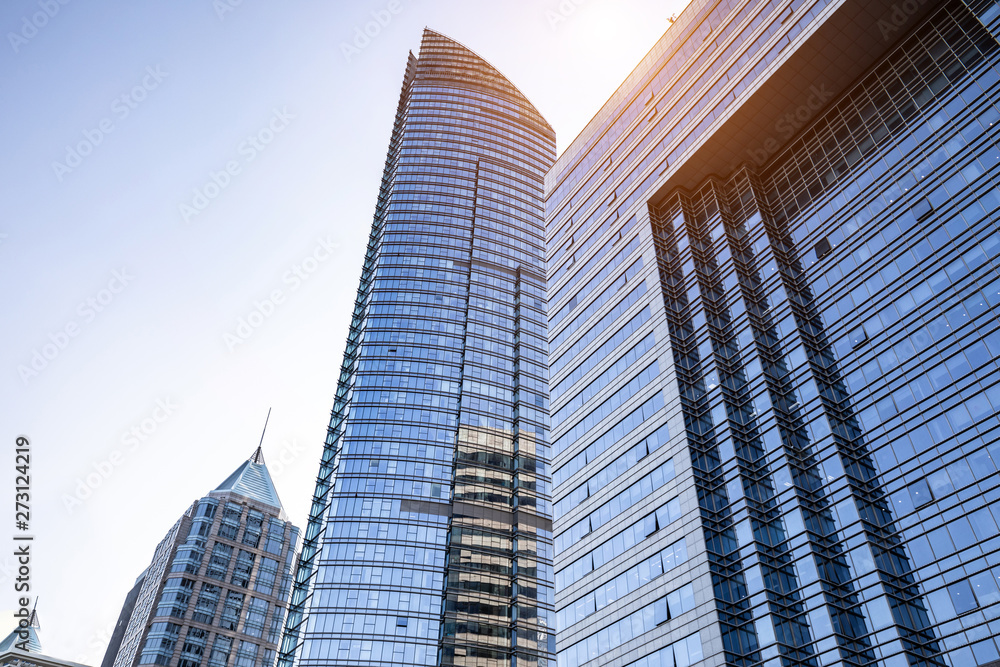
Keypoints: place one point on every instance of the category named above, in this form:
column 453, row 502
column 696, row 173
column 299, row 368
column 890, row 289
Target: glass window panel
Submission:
column 962, row 597
column 984, row 585
column 983, row 524
column 920, row 493
column 941, row 543
column 941, row 605
column 960, row 473
column 940, row 484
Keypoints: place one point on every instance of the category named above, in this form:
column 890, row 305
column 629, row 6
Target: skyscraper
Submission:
column 24, row 637
column 773, row 279
column 216, row 591
column 22, row 647
column 429, row 541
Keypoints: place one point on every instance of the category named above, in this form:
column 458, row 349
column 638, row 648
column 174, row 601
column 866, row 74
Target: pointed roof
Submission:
column 253, row 481
column 14, row 640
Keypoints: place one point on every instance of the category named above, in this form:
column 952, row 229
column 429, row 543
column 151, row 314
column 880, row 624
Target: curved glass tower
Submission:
column 430, row 539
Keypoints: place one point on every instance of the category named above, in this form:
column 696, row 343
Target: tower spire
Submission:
column 24, row 638
column 258, row 456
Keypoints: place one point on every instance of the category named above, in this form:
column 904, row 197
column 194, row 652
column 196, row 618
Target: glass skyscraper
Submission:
column 429, row 540
column 216, row 591
column 773, row 284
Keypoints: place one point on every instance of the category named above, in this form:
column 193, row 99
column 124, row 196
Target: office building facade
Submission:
column 774, row 288
column 429, row 541
column 216, row 591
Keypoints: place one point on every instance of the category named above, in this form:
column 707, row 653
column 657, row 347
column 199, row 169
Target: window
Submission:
column 630, row 581
column 218, row 564
column 188, row 558
column 208, row 600
column 256, row 615
column 275, row 536
column 961, row 597
column 174, row 599
column 920, row 493
column 631, row 626
column 660, row 612
column 220, row 651
column 230, row 525
column 246, row 656
column 922, row 209
column 823, row 248
column 985, row 586
column 160, row 644
column 242, row 569
column 274, row 634
column 206, row 508
column 194, row 647
column 267, row 574
column 251, row 535
column 858, row 336
column 231, row 611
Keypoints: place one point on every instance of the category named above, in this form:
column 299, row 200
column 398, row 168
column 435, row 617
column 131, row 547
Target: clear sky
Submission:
column 172, row 170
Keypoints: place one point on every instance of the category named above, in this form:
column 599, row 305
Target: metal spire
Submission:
column 258, row 456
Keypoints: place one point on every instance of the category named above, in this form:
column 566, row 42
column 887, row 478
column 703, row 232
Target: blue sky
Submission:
column 187, row 191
